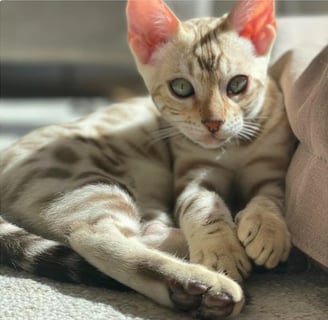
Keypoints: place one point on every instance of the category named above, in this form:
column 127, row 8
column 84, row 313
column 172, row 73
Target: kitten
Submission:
column 106, row 192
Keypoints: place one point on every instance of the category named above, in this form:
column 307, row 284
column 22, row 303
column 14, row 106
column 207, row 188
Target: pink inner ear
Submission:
column 150, row 24
column 255, row 20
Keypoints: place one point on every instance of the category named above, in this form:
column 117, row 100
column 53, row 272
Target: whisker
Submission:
column 249, row 131
column 162, row 134
column 156, row 140
column 162, row 130
column 252, row 124
column 244, row 138
column 259, row 118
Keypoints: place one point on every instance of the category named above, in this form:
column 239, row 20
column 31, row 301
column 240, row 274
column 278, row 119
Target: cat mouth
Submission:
column 207, row 140
column 211, row 141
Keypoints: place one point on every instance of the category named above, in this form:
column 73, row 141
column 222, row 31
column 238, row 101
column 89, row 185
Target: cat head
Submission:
column 207, row 76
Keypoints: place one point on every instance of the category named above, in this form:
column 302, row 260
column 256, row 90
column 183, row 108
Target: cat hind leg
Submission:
column 102, row 223
column 103, row 226
column 162, row 277
column 23, row 250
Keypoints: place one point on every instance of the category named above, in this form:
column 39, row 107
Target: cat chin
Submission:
column 210, row 142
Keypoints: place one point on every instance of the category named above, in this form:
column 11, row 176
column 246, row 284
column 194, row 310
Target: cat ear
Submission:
column 150, row 24
column 255, row 20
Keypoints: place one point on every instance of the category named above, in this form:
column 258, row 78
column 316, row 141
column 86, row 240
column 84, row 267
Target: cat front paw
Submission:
column 265, row 236
column 221, row 251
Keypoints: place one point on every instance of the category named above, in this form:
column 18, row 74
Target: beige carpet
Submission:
column 301, row 296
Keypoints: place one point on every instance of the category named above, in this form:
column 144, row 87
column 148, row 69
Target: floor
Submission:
column 298, row 296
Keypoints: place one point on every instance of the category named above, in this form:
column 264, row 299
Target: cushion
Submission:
column 304, row 82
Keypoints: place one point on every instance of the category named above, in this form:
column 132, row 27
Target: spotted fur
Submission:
column 124, row 196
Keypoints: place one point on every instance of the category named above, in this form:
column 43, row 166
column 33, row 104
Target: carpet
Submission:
column 299, row 296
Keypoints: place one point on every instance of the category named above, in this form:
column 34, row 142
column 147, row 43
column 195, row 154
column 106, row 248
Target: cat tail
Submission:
column 22, row 250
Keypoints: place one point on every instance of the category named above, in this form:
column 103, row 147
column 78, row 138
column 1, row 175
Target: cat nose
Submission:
column 213, row 126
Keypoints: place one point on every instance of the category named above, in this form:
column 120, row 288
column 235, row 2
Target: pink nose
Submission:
column 213, row 126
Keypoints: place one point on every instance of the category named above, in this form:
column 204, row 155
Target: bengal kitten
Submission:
column 137, row 189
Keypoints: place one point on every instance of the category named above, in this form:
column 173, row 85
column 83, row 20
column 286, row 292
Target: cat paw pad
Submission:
column 205, row 301
column 187, row 297
column 216, row 305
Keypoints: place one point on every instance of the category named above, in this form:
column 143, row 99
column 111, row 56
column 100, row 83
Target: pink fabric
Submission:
column 306, row 98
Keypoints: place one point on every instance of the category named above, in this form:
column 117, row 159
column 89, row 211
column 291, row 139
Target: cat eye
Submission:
column 181, row 88
column 237, row 85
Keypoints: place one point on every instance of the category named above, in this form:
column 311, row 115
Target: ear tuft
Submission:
column 255, row 20
column 150, row 24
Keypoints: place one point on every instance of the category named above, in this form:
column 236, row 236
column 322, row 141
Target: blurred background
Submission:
column 60, row 59
column 64, row 48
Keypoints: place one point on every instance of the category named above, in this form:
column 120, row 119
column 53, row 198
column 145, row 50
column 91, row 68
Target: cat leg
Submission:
column 102, row 225
column 163, row 278
column 210, row 232
column 262, row 228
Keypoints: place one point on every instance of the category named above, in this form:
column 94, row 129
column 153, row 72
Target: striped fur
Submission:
column 26, row 251
column 99, row 200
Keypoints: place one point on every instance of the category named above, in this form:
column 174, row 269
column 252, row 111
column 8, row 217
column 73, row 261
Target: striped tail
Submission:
column 22, row 250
